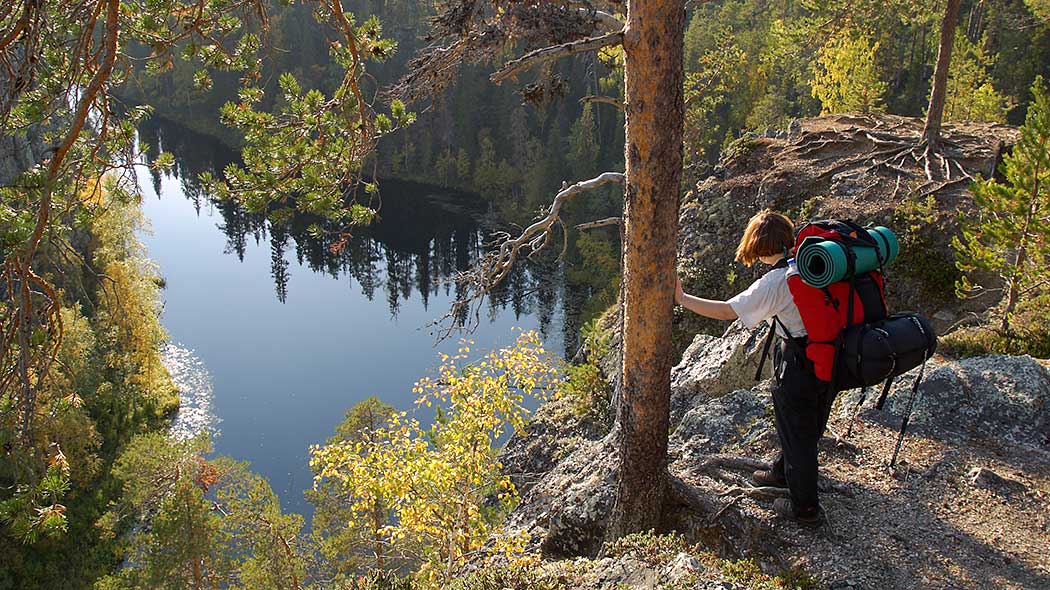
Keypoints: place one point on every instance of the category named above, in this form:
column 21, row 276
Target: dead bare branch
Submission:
column 605, row 19
column 599, row 223
column 547, row 54
column 492, row 268
column 616, row 102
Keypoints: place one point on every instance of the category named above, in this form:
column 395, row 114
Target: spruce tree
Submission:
column 1010, row 236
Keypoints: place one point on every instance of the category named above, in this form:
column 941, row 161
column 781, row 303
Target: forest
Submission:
column 573, row 139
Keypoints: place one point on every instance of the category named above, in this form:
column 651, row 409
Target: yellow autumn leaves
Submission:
column 433, row 496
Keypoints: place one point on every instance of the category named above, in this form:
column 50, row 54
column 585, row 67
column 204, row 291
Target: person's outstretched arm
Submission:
column 718, row 310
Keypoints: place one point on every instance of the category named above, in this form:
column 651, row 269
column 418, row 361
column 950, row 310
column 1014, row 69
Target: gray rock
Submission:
column 944, row 315
column 567, row 512
column 1003, row 398
column 625, row 572
column 712, row 367
column 680, row 568
column 714, row 426
column 553, row 433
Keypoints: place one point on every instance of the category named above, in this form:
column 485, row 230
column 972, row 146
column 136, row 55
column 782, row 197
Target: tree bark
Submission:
column 935, row 113
column 1013, row 291
column 654, row 107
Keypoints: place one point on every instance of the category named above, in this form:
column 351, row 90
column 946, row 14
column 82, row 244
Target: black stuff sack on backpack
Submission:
column 877, row 351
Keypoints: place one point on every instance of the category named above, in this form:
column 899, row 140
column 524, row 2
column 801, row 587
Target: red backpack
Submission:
column 852, row 341
column 827, row 312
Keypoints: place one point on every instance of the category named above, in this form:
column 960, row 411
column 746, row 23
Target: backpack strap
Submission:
column 766, row 346
column 769, row 344
column 885, row 392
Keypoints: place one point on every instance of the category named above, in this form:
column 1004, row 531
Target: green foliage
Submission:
column 1041, row 8
column 650, row 547
column 308, row 151
column 971, row 95
column 742, row 574
column 523, row 576
column 747, row 575
column 348, row 544
column 196, row 522
column 598, row 269
column 583, row 145
column 106, row 385
column 1009, row 237
column 922, row 257
column 847, row 77
column 34, row 511
column 437, row 482
column 707, row 89
column 1029, row 334
column 586, row 385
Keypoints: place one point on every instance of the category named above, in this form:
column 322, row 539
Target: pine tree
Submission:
column 971, row 95
column 847, row 78
column 1011, row 235
column 347, row 543
column 487, row 180
column 462, row 167
column 583, row 145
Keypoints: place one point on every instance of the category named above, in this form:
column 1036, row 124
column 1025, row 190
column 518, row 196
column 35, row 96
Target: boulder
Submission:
column 712, row 367
column 982, row 477
column 717, row 425
column 997, row 397
column 554, row 432
column 566, row 513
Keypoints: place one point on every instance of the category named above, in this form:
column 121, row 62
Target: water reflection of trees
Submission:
column 424, row 235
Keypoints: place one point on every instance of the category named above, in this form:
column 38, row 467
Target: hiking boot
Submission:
column 809, row 518
column 767, row 478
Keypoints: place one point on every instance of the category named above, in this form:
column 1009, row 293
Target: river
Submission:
column 273, row 336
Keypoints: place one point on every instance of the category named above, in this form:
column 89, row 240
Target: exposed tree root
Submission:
column 893, row 152
column 734, row 462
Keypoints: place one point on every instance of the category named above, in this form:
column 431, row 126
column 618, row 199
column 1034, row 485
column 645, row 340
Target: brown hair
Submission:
column 767, row 233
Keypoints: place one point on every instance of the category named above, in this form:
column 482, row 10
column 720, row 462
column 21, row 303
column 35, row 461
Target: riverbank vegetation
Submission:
column 105, row 385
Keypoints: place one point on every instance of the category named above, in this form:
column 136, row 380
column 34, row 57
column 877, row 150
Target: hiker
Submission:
column 801, row 402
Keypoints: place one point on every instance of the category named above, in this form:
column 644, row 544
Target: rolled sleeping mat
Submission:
column 822, row 262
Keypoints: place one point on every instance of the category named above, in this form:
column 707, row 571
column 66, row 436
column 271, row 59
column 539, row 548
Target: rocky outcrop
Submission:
column 829, row 167
column 1005, row 399
column 713, row 366
column 966, row 506
column 22, row 149
column 565, row 512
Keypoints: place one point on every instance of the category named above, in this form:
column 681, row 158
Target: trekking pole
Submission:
column 907, row 415
column 856, row 412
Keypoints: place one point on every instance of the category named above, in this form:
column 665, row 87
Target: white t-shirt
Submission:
column 767, row 297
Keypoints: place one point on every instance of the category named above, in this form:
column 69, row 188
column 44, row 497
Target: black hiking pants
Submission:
column 801, row 406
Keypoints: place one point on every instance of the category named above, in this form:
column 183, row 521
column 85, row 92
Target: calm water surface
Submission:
column 274, row 337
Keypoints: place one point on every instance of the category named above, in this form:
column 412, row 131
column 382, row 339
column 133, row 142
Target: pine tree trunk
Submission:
column 1013, row 291
column 935, row 113
column 654, row 107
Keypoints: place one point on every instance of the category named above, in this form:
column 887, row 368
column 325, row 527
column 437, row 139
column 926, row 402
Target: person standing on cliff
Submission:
column 801, row 402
